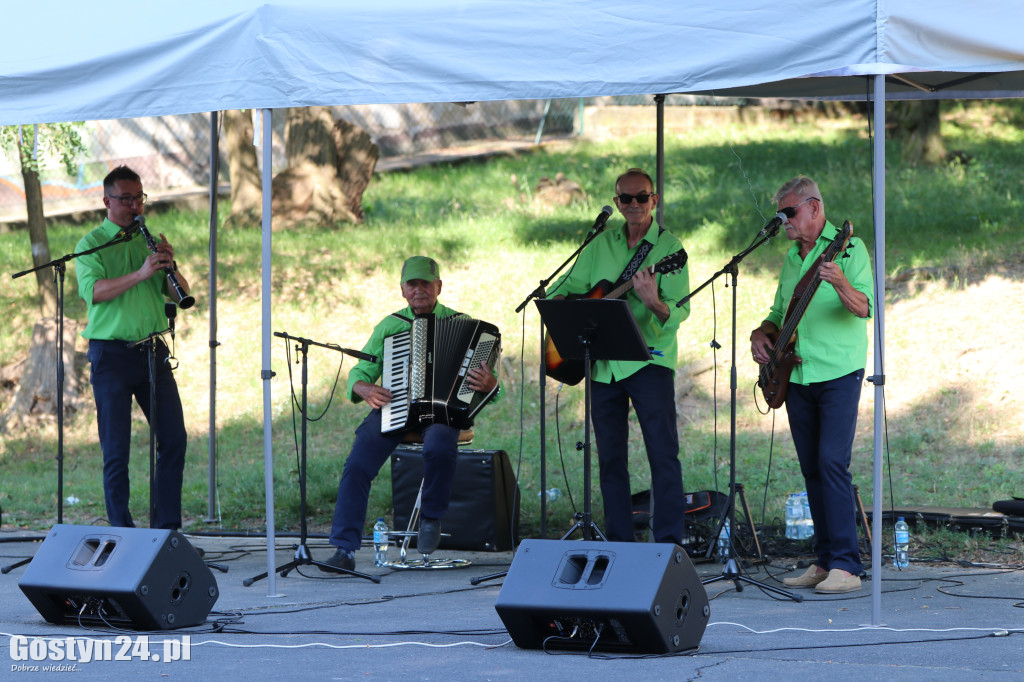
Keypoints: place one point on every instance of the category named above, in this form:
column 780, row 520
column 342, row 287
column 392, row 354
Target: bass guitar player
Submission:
column 823, row 394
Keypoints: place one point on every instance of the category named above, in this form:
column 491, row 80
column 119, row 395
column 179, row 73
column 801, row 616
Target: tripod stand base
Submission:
column 587, row 526
column 17, row 564
column 731, row 571
column 304, row 558
column 428, row 564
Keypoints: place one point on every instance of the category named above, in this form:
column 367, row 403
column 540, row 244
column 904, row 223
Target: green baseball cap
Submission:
column 420, row 267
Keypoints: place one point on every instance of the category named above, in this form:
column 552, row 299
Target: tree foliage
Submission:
column 59, row 141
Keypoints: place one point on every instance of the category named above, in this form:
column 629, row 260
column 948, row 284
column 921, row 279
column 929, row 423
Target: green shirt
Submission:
column 370, row 372
column 136, row 313
column 604, row 259
column 831, row 341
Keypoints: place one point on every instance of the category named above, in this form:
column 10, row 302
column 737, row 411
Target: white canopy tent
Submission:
column 109, row 60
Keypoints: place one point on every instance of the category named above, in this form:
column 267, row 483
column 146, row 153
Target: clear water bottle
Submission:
column 552, row 493
column 723, row 543
column 380, row 542
column 794, row 514
column 902, row 558
column 806, row 523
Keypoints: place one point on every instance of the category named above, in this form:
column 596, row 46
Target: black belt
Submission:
column 124, row 344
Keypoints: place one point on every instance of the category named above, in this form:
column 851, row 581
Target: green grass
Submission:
column 332, row 283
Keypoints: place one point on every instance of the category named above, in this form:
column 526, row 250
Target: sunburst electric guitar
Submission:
column 773, row 377
column 572, row 372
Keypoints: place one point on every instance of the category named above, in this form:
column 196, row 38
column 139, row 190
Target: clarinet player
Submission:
column 124, row 289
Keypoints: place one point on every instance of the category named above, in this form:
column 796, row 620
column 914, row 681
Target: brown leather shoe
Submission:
column 838, row 582
column 811, row 577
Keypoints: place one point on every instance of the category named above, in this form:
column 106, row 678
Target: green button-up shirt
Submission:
column 831, row 341
column 604, row 259
column 136, row 313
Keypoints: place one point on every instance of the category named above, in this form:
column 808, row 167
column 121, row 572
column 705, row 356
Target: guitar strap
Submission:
column 638, row 258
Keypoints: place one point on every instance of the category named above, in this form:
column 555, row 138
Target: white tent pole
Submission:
column 267, row 130
column 211, row 514
column 659, row 164
column 878, row 379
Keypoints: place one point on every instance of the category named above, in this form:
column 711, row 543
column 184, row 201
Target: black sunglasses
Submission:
column 640, row 198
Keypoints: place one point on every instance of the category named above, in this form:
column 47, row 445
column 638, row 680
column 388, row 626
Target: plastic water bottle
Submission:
column 552, row 494
column 723, row 543
column 902, row 558
column 380, row 542
column 806, row 523
column 794, row 514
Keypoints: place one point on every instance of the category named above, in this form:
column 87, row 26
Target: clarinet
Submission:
column 184, row 300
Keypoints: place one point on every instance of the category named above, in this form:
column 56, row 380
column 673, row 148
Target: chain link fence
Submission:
column 172, row 153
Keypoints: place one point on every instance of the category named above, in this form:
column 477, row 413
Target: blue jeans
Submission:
column 652, row 393
column 823, row 421
column 370, row 451
column 120, row 373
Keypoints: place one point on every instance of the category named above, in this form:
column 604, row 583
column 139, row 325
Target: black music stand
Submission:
column 303, row 557
column 591, row 329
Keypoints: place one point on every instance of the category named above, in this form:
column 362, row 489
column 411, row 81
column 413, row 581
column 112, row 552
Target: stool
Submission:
column 404, row 563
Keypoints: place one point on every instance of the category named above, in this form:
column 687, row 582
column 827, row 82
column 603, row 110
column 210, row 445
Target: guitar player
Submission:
column 627, row 255
column 824, row 389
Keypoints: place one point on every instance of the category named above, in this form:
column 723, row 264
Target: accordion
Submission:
column 425, row 369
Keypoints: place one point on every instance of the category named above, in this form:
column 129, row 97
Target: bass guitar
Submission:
column 572, row 372
column 773, row 377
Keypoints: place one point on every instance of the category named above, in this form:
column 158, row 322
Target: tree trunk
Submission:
column 357, row 157
column 38, row 387
column 37, row 235
column 329, row 167
column 919, row 126
column 307, row 136
column 243, row 170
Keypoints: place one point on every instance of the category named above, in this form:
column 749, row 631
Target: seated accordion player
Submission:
column 425, row 369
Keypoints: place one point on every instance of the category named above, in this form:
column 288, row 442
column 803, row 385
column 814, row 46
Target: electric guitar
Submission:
column 773, row 377
column 572, row 371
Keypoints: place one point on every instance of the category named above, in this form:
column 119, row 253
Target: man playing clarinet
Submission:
column 124, row 288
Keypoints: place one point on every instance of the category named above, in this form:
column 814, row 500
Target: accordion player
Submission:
column 425, row 369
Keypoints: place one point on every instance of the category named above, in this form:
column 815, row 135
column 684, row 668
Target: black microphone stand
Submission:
column 302, row 555
column 542, row 387
column 59, row 266
column 150, row 343
column 732, row 569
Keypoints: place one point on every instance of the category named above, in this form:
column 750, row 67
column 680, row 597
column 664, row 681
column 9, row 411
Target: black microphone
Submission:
column 171, row 311
column 133, row 227
column 782, row 216
column 360, row 354
column 363, row 356
column 606, row 213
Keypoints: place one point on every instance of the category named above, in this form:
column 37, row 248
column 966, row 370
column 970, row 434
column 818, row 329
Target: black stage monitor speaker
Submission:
column 123, row 577
column 607, row 596
column 483, row 514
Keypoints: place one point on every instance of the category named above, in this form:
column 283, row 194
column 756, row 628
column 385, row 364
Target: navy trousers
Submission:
column 652, row 393
column 370, row 451
column 118, row 375
column 823, row 421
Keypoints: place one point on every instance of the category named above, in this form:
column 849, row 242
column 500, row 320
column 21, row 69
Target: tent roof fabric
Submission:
column 106, row 60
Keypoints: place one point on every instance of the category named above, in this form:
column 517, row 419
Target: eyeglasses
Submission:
column 790, row 211
column 128, row 200
column 641, row 198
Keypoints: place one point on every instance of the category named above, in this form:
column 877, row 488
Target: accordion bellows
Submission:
column 425, row 369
